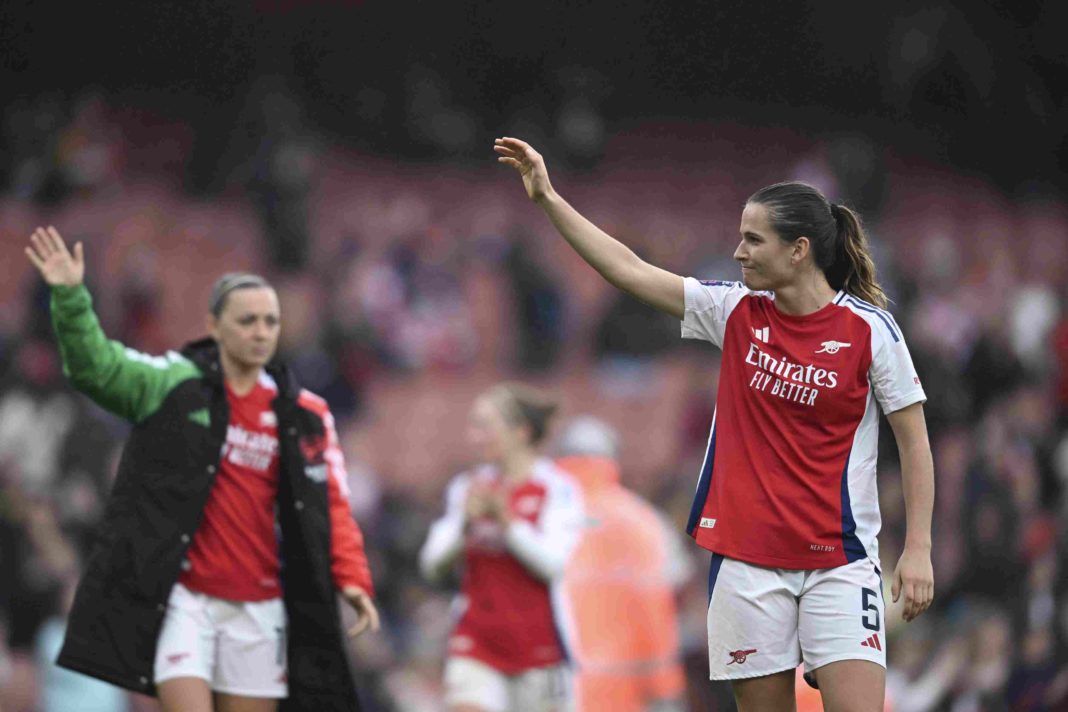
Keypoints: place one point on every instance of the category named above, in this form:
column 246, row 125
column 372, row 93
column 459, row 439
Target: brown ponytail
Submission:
column 857, row 266
column 839, row 246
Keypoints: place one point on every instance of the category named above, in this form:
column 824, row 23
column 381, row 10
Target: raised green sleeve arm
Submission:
column 126, row 382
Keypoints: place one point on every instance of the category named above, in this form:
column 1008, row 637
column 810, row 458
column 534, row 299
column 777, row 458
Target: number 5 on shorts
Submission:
column 867, row 605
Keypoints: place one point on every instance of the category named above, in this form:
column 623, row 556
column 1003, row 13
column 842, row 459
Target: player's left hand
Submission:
column 366, row 612
column 914, row 576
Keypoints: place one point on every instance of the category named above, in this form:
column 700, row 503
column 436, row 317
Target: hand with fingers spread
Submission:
column 914, row 576
column 366, row 612
column 530, row 164
column 48, row 253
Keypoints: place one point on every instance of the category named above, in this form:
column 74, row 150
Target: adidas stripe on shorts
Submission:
column 763, row 620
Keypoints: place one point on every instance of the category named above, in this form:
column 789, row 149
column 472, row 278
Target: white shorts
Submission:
column 238, row 647
column 471, row 682
column 763, row 621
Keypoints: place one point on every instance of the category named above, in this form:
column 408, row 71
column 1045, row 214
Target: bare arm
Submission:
column 914, row 574
column 615, row 261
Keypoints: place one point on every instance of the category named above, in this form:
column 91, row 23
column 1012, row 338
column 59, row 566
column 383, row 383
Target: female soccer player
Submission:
column 786, row 499
column 513, row 522
column 189, row 592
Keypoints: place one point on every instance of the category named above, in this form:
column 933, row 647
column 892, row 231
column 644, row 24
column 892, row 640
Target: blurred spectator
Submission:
column 539, row 307
column 62, row 148
column 922, row 668
column 139, row 296
column 1059, row 353
column 282, row 170
column 60, row 689
column 30, row 130
column 88, row 149
column 632, row 330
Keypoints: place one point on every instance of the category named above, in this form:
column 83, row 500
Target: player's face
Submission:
column 247, row 328
column 765, row 259
column 490, row 433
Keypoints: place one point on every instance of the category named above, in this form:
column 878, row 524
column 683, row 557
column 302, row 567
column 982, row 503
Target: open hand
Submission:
column 530, row 164
column 48, row 253
column 366, row 613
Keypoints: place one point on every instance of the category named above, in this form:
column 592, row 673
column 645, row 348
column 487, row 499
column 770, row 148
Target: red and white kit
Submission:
column 508, row 629
column 229, row 593
column 788, row 480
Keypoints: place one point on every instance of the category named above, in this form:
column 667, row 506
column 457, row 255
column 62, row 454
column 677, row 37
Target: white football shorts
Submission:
column 238, row 647
column 763, row 621
column 471, row 682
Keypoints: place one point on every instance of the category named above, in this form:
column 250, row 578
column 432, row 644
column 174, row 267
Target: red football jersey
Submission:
column 510, row 573
column 234, row 553
column 788, row 480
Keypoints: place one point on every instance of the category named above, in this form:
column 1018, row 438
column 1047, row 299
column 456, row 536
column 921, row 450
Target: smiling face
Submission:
column 768, row 263
column 247, row 327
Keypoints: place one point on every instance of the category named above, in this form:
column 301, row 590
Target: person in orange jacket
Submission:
column 620, row 585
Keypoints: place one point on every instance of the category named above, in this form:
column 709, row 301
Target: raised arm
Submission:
column 615, row 261
column 128, row 383
column 914, row 575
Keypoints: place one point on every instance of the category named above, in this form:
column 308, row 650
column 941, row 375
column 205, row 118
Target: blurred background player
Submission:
column 620, row 585
column 185, row 594
column 787, row 498
column 511, row 522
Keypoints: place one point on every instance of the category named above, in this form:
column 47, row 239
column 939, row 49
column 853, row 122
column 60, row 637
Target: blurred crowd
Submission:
column 408, row 288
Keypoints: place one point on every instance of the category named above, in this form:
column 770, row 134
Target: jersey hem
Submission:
column 508, row 669
column 227, row 594
column 776, row 563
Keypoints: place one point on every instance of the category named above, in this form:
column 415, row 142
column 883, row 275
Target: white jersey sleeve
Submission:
column 544, row 549
column 893, row 376
column 708, row 304
column 445, row 541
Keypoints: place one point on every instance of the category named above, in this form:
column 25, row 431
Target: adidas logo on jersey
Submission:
column 707, row 523
column 832, row 347
column 761, row 334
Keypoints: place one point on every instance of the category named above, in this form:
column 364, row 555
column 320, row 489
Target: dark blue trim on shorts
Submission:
column 701, row 496
column 713, row 573
column 851, row 545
